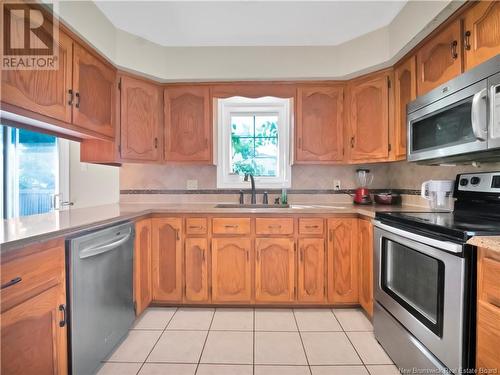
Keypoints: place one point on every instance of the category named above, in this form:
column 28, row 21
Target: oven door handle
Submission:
column 445, row 245
column 478, row 115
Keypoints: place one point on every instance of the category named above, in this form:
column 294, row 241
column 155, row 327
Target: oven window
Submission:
column 447, row 128
column 415, row 281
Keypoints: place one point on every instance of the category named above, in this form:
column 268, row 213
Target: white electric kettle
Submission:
column 439, row 193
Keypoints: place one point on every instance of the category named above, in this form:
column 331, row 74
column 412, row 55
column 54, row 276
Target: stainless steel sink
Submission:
column 237, row 205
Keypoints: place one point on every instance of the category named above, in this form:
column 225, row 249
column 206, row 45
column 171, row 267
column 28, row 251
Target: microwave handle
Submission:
column 478, row 115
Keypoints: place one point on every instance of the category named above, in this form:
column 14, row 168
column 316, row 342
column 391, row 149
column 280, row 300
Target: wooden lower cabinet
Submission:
column 274, row 270
column 142, row 266
column 488, row 310
column 231, row 269
column 311, row 270
column 196, row 269
column 342, row 272
column 365, row 265
column 167, row 259
column 33, row 319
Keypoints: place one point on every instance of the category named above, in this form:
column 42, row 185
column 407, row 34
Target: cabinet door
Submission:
column 319, row 124
column 405, row 90
column 167, row 259
column 196, row 277
column 342, row 261
column 231, row 270
column 188, row 130
column 481, row 33
column 274, row 270
column 311, row 285
column 142, row 265
column 94, row 83
column 140, row 107
column 365, row 246
column 45, row 92
column 33, row 342
column 439, row 59
column 369, row 118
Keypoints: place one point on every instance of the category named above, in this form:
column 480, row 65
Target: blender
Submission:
column 362, row 194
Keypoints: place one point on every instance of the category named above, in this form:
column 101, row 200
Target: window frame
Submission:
column 250, row 106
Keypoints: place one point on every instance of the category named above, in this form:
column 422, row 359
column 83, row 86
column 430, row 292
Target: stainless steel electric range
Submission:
column 424, row 314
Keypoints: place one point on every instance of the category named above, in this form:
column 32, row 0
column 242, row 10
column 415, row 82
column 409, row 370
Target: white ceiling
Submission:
column 249, row 23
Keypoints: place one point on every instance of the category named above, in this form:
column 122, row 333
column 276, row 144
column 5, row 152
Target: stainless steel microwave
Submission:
column 458, row 121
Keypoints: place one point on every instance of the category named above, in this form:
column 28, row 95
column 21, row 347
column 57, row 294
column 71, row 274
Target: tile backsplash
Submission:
column 400, row 175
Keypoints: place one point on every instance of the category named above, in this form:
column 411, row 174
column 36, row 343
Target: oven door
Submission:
column 421, row 285
column 453, row 125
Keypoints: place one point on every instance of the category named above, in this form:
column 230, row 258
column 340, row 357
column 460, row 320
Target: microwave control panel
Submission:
column 487, row 182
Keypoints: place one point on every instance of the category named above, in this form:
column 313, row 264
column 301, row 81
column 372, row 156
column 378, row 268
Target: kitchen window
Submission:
column 254, row 137
column 34, row 172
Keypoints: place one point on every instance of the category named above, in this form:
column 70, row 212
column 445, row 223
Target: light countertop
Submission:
column 487, row 242
column 21, row 231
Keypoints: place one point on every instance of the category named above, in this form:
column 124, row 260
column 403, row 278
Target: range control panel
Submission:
column 485, row 182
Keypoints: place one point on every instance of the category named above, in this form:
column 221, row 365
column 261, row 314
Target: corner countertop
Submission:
column 486, row 242
column 22, row 231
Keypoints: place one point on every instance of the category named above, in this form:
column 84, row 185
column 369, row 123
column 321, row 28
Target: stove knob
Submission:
column 464, row 182
column 475, row 180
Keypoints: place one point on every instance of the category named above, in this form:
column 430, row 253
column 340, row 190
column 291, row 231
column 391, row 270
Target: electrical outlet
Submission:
column 192, row 184
column 336, row 184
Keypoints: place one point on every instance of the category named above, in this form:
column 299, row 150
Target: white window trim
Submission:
column 265, row 105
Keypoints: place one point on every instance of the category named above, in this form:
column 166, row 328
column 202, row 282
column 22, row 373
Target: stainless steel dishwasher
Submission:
column 101, row 307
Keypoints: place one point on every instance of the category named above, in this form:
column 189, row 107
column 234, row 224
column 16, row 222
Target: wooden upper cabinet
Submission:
column 481, row 33
column 365, row 264
column 142, row 266
column 45, row 92
column 319, row 124
column 311, row 282
column 32, row 340
column 231, row 270
column 140, row 106
column 94, row 86
column 196, row 274
column 274, row 270
column 369, row 118
column 342, row 261
column 405, row 90
column 167, row 259
column 440, row 58
column 188, row 129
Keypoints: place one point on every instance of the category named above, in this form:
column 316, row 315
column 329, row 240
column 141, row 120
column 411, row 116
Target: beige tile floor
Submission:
column 224, row 341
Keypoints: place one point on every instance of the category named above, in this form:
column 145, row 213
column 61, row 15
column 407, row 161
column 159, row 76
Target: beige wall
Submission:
column 371, row 51
column 91, row 184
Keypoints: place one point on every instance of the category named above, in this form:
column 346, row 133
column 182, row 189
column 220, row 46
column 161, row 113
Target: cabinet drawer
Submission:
column 282, row 225
column 490, row 291
column 311, row 226
column 488, row 335
column 26, row 276
column 231, row 225
column 196, row 225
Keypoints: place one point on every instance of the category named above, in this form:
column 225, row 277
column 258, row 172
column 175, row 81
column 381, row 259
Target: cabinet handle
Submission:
column 272, row 226
column 195, row 227
column 70, row 93
column 232, row 226
column 248, row 255
column 352, row 142
column 453, row 48
column 14, row 281
column 330, row 233
column 312, row 226
column 203, row 255
column 77, row 105
column 467, row 40
column 156, row 142
column 177, row 234
column 62, row 322
column 301, row 254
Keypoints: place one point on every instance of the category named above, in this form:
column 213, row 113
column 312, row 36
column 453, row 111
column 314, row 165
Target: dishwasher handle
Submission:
column 92, row 251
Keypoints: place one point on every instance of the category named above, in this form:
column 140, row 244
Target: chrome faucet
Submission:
column 254, row 193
